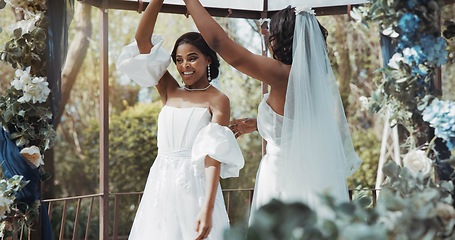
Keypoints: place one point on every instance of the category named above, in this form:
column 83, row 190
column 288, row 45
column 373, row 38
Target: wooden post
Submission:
column 104, row 124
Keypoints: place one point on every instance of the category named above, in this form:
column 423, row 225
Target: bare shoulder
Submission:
column 220, row 107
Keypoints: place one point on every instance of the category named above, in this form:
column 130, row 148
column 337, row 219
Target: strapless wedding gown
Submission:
column 269, row 125
column 269, row 185
column 175, row 188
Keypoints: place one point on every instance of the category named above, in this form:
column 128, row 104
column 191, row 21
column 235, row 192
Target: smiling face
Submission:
column 192, row 65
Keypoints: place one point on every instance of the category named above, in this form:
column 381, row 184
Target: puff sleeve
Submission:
column 219, row 143
column 144, row 69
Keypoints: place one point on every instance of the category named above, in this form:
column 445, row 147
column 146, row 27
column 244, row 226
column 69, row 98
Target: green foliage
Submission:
column 28, row 123
column 13, row 212
column 413, row 28
column 367, row 146
column 24, row 110
column 26, row 49
column 410, row 207
column 132, row 144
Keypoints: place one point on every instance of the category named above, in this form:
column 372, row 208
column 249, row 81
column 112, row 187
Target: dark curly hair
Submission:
column 195, row 39
column 282, row 26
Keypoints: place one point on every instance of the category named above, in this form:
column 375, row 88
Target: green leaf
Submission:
column 8, row 115
column 27, row 36
column 17, row 33
column 364, row 201
column 40, row 46
column 447, row 185
column 391, row 169
column 16, row 135
column 21, row 42
column 39, row 35
column 2, row 4
column 45, row 176
column 22, row 141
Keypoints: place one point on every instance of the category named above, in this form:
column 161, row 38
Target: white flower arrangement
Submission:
column 35, row 89
column 7, row 195
column 25, row 114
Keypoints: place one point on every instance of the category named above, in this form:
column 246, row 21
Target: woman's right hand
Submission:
column 242, row 126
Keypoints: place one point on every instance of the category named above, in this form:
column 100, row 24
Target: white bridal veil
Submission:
column 316, row 142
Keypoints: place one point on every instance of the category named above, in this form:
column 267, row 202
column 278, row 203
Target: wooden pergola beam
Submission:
column 132, row 5
column 215, row 12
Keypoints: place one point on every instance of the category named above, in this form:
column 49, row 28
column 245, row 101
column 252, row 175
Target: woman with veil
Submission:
column 309, row 149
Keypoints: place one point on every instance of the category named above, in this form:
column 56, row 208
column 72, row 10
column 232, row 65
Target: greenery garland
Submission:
column 24, row 107
column 419, row 49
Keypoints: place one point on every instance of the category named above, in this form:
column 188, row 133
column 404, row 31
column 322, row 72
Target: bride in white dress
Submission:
column 309, row 150
column 182, row 198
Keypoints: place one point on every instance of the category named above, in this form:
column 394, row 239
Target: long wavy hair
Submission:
column 196, row 39
column 281, row 36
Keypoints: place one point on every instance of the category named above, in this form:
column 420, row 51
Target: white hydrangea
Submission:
column 395, row 60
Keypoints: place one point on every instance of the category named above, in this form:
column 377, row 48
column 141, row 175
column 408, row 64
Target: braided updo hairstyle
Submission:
column 282, row 26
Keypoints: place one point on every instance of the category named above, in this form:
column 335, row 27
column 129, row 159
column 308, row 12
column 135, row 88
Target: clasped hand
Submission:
column 242, row 126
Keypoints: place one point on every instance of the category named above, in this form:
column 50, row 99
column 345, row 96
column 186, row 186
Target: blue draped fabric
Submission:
column 59, row 13
column 387, row 49
column 13, row 164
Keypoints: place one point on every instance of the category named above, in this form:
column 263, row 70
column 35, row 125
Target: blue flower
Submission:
column 410, row 4
column 434, row 50
column 441, row 116
column 409, row 23
column 404, row 42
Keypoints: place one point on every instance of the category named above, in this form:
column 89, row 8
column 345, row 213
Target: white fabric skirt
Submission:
column 172, row 199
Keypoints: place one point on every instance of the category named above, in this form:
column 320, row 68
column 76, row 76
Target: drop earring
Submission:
column 209, row 77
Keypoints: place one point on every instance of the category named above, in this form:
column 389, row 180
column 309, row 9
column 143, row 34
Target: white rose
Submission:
column 33, row 155
column 417, row 161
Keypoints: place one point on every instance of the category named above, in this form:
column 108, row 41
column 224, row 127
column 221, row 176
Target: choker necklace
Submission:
column 197, row 89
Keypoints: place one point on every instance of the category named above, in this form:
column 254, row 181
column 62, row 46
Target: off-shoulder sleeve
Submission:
column 219, row 143
column 145, row 69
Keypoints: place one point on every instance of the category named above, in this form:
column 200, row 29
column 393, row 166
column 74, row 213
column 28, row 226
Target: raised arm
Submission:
column 143, row 37
column 146, row 26
column 257, row 66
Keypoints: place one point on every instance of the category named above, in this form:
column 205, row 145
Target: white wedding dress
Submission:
column 266, row 188
column 269, row 183
column 175, row 189
column 309, row 149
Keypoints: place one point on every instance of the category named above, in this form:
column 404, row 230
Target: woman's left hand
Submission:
column 203, row 224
